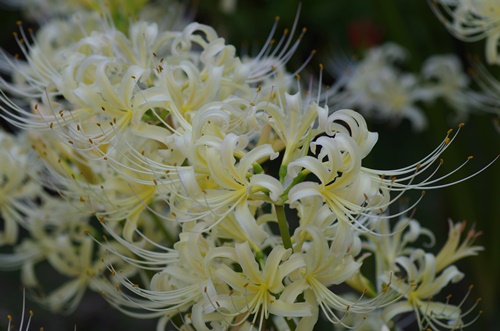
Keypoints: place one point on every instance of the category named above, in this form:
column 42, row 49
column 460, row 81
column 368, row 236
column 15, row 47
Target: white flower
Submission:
column 378, row 89
column 447, row 80
column 421, row 283
column 472, row 20
column 256, row 289
column 17, row 191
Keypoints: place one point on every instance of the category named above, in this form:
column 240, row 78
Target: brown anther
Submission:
column 461, row 125
column 98, row 124
column 51, row 125
column 470, row 157
column 90, row 141
column 446, row 140
column 321, row 66
column 86, row 231
column 133, row 77
column 154, row 181
column 19, row 22
column 104, row 237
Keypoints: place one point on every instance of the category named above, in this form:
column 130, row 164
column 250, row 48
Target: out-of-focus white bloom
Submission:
column 228, row 6
column 17, row 191
column 446, row 79
column 472, row 21
column 43, row 10
column 380, row 90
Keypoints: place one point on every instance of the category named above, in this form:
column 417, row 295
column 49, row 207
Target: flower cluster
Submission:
column 157, row 167
column 380, row 89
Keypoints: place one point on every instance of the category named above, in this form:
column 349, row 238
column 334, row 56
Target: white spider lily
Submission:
column 447, row 80
column 346, row 189
column 292, row 121
column 231, row 186
column 17, row 191
column 379, row 90
column 328, row 264
column 454, row 249
column 255, row 291
column 472, row 21
column 421, row 283
column 186, row 280
column 387, row 244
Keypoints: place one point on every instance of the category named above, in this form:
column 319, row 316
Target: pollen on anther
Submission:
column 470, row 157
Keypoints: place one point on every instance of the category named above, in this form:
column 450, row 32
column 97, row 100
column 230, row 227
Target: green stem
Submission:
column 291, row 324
column 283, row 226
